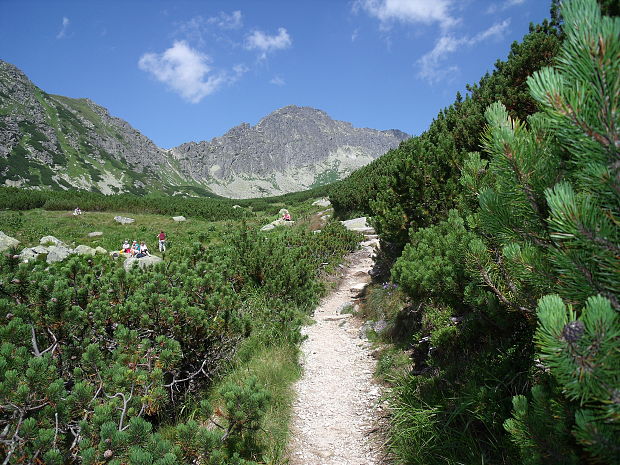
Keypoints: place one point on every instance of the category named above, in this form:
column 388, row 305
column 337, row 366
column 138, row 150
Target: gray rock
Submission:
column 178, row 218
column 278, row 222
column 27, row 254
column 47, row 240
column 7, row 242
column 324, row 202
column 236, row 206
column 123, row 220
column 143, row 262
column 100, row 250
column 84, row 250
column 57, row 253
column 95, row 234
column 358, row 224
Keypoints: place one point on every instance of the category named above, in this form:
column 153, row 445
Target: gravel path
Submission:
column 335, row 415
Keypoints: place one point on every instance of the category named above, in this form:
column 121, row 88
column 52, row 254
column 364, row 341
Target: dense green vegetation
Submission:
column 500, row 228
column 188, row 361
column 211, row 209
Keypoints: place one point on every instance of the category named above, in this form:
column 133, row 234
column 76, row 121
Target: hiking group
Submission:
column 135, row 249
column 140, row 249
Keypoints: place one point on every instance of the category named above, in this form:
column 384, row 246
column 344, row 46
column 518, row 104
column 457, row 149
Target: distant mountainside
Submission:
column 59, row 142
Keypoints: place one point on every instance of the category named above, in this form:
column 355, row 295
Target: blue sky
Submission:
column 190, row 70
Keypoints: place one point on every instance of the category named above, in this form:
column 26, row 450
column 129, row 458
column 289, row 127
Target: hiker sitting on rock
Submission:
column 144, row 250
column 286, row 216
column 126, row 248
column 135, row 248
column 77, row 211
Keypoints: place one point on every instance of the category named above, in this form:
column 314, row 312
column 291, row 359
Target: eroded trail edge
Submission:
column 336, row 414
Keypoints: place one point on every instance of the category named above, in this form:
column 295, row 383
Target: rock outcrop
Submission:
column 293, row 148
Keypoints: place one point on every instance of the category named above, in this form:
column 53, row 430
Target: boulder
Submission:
column 95, row 234
column 178, row 218
column 7, row 242
column 143, row 262
column 27, row 254
column 84, row 250
column 57, row 253
column 48, row 240
column 31, row 253
column 236, row 206
column 100, row 250
column 359, row 225
column 324, row 202
column 278, row 222
column 123, row 220
column 282, row 212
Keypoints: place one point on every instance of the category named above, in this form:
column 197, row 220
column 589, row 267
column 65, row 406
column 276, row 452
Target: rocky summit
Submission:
column 293, row 148
column 65, row 143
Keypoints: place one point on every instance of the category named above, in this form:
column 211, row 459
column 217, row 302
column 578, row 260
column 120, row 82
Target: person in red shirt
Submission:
column 161, row 237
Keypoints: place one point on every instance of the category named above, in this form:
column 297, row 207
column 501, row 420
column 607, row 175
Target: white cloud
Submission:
column 199, row 30
column 186, row 71
column 355, row 35
column 431, row 68
column 408, row 11
column 63, row 30
column 497, row 7
column 277, row 81
column 265, row 43
column 227, row 21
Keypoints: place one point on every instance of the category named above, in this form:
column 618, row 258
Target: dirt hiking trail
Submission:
column 335, row 417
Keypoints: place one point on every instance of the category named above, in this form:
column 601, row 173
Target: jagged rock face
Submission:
column 64, row 143
column 59, row 142
column 301, row 143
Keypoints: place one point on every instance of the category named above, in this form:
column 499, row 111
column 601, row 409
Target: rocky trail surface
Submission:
column 336, row 414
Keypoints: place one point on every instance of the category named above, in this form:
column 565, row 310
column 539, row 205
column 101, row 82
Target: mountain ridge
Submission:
column 60, row 142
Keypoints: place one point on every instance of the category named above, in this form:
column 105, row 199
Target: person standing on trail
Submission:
column 161, row 237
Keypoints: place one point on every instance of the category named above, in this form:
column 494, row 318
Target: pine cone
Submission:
column 573, row 331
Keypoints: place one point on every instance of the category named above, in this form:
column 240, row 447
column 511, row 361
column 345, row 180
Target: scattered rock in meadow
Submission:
column 57, row 253
column 95, row 234
column 143, row 262
column 28, row 254
column 100, row 250
column 84, row 250
column 236, row 206
column 123, row 220
column 324, row 202
column 278, row 222
column 179, row 218
column 51, row 240
column 7, row 242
